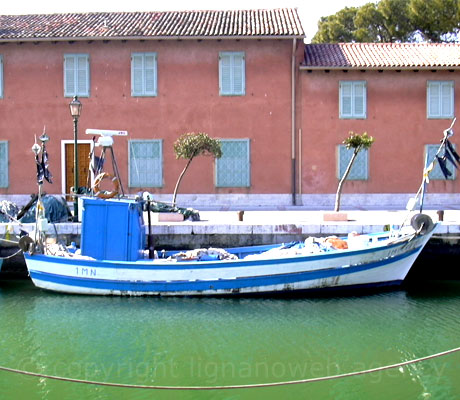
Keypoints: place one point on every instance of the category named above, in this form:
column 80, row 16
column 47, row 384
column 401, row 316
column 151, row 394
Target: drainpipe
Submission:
column 293, row 115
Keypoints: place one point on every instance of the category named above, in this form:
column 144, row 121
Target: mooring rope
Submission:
column 225, row 387
column 9, row 241
column 12, row 255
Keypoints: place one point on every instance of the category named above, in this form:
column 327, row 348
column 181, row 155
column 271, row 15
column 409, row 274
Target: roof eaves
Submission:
column 171, row 37
column 379, row 68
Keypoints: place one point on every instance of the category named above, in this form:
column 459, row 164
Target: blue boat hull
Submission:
column 383, row 263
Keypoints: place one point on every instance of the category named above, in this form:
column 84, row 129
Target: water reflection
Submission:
column 218, row 341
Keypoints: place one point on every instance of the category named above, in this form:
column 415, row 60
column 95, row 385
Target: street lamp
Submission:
column 75, row 111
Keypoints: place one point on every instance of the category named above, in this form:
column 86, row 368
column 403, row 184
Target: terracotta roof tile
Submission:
column 284, row 22
column 382, row 55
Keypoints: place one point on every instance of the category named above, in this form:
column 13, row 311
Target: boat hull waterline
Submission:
column 379, row 264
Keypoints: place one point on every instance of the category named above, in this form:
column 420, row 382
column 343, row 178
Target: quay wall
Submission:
column 438, row 259
column 190, row 234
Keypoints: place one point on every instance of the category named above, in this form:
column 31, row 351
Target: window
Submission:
column 440, row 99
column 3, row 164
column 76, row 75
column 232, row 74
column 353, row 103
column 436, row 173
column 1, row 76
column 233, row 168
column 144, row 74
column 360, row 168
column 145, row 163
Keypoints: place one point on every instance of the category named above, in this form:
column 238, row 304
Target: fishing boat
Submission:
column 112, row 259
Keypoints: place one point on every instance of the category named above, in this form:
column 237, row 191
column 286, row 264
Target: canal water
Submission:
column 230, row 341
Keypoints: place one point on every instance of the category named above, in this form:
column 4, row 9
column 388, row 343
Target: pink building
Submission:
column 157, row 75
column 281, row 108
column 404, row 95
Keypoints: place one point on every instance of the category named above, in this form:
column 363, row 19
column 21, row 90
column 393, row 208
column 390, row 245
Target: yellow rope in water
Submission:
column 249, row 386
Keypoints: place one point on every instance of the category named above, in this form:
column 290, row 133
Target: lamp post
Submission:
column 75, row 111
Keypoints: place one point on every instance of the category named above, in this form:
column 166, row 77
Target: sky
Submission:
column 309, row 11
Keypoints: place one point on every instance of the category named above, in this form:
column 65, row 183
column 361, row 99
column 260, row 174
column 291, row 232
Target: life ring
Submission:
column 102, row 193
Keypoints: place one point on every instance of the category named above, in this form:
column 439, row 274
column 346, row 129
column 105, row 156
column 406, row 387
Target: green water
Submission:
column 226, row 341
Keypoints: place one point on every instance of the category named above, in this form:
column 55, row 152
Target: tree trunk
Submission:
column 344, row 177
column 179, row 181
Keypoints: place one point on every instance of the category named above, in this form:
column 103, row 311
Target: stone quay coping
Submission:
column 271, row 222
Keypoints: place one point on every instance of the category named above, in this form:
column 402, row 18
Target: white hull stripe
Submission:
column 332, row 256
column 238, row 283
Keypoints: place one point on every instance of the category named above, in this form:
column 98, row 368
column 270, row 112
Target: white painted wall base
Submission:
column 374, row 201
column 380, row 201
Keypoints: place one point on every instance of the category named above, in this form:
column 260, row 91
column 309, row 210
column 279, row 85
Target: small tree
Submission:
column 357, row 143
column 190, row 145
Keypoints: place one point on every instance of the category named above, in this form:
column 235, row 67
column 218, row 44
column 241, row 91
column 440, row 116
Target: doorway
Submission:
column 84, row 176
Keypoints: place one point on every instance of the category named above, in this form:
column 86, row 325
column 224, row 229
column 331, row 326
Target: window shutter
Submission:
column 225, row 74
column 352, row 99
column 345, row 99
column 446, row 99
column 145, row 163
column 359, row 99
column 440, row 99
column 359, row 170
column 136, row 75
column 238, row 74
column 1, row 76
column 232, row 79
column 82, row 76
column 436, row 173
column 69, row 76
column 233, row 168
column 76, row 75
column 433, row 100
column 4, row 164
column 150, row 74
column 144, row 74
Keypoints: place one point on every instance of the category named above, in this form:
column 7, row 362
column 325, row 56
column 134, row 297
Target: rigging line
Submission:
column 226, row 387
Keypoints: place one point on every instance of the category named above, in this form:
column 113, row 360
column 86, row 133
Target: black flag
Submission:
column 45, row 165
column 442, row 164
column 452, row 150
column 40, row 174
column 42, row 167
column 448, row 156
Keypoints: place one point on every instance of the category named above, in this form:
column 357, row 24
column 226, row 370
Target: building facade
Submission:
column 280, row 108
column 157, row 76
column 404, row 95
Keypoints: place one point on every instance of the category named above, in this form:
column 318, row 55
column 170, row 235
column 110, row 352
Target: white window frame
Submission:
column 4, row 164
column 157, row 184
column 220, row 161
column 80, row 76
column 353, row 87
column 232, row 73
column 142, row 73
column 363, row 156
column 1, row 76
column 436, row 173
column 440, row 92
